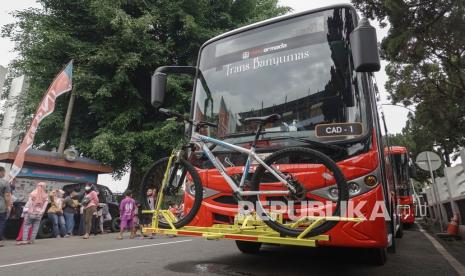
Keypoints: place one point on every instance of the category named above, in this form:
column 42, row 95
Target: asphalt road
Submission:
column 104, row 255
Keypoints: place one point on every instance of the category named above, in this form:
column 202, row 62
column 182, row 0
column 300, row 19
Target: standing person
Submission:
column 82, row 229
column 151, row 198
column 90, row 203
column 5, row 203
column 127, row 210
column 102, row 212
column 96, row 219
column 33, row 212
column 55, row 213
column 150, row 203
column 69, row 210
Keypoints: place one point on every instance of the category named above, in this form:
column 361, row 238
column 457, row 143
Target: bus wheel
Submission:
column 408, row 225
column 248, row 247
column 400, row 231
column 392, row 248
column 379, row 256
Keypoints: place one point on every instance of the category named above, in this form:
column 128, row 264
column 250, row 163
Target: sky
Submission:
column 395, row 116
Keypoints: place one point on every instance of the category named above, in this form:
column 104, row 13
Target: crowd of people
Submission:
column 64, row 208
column 6, row 203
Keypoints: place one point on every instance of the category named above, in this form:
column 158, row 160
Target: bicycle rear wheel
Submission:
column 182, row 194
column 308, row 170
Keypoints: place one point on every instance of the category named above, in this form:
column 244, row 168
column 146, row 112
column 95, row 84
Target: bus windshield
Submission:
column 299, row 68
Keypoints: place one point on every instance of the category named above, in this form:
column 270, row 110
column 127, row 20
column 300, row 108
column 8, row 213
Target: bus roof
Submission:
column 398, row 149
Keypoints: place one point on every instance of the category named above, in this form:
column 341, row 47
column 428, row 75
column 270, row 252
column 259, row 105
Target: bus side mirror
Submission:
column 159, row 78
column 364, row 47
column 158, row 89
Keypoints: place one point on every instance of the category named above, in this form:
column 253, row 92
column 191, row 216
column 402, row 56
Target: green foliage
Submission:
column 425, row 48
column 415, row 144
column 116, row 45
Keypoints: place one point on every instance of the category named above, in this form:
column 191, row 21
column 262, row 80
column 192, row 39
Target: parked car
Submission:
column 14, row 221
column 45, row 229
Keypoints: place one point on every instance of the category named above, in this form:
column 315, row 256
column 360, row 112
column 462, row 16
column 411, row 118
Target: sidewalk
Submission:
column 455, row 247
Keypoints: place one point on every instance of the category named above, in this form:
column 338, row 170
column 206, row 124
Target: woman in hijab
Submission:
column 55, row 213
column 33, row 212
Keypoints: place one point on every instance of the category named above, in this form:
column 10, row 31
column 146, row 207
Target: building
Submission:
column 52, row 168
column 3, row 72
column 12, row 114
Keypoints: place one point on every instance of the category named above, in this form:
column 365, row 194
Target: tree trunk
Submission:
column 64, row 134
column 135, row 179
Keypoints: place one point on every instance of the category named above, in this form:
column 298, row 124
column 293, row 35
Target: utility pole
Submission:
column 64, row 134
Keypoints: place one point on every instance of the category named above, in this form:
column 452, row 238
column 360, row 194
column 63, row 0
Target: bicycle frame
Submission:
column 201, row 141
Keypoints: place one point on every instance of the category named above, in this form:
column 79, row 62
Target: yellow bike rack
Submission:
column 245, row 228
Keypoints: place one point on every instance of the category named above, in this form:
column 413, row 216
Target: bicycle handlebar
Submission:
column 186, row 118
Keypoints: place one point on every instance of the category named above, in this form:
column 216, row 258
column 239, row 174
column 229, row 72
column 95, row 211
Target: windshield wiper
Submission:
column 304, row 140
column 314, row 143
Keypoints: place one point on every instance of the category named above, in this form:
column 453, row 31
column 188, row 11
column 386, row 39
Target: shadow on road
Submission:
column 415, row 256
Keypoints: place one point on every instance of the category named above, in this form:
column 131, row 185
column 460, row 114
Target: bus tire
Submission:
column 379, row 256
column 408, row 225
column 392, row 231
column 392, row 248
column 400, row 231
column 248, row 247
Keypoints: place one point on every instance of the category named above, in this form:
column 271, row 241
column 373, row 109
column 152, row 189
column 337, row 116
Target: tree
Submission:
column 116, row 45
column 425, row 48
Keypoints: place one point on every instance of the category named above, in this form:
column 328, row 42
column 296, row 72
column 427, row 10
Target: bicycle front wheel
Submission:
column 307, row 170
column 182, row 193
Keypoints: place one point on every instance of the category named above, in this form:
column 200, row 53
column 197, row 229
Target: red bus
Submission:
column 405, row 201
column 309, row 68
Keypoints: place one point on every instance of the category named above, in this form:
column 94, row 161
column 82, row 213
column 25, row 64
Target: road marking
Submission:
column 450, row 259
column 91, row 253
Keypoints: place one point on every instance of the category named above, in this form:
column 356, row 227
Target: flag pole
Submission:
column 64, row 134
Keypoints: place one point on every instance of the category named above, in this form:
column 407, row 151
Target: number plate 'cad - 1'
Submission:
column 338, row 129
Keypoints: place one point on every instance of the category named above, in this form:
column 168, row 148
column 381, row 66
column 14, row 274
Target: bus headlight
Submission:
column 207, row 192
column 333, row 192
column 354, row 188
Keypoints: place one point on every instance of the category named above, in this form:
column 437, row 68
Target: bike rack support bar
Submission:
column 169, row 218
column 310, row 228
column 213, row 236
column 246, row 228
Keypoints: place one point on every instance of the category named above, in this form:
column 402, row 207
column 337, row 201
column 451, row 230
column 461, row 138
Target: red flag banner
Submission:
column 60, row 85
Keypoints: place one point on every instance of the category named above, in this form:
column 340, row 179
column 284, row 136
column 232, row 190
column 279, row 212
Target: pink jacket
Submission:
column 93, row 196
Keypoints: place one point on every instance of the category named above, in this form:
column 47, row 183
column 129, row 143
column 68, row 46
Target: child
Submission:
column 136, row 222
column 127, row 210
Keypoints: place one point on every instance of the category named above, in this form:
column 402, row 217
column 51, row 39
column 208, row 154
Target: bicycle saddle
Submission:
column 264, row 119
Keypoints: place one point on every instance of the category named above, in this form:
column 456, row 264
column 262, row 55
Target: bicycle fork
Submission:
column 164, row 182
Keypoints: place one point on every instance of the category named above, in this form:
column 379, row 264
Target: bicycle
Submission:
column 288, row 183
